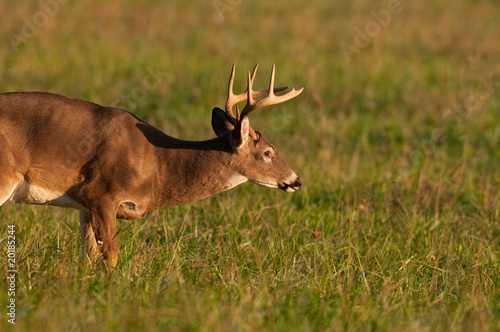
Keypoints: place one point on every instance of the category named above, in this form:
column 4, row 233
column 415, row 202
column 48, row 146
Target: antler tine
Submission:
column 237, row 112
column 233, row 99
column 270, row 99
column 250, row 99
column 271, row 81
column 254, row 71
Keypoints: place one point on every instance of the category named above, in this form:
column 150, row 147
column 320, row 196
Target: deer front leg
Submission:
column 104, row 219
column 89, row 242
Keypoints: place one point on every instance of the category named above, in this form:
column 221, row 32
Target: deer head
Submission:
column 254, row 158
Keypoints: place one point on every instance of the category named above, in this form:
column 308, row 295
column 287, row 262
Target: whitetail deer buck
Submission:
column 110, row 164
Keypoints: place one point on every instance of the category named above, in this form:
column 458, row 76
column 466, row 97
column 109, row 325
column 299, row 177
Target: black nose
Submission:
column 297, row 184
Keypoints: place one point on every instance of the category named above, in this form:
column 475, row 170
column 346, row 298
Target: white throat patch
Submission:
column 235, row 181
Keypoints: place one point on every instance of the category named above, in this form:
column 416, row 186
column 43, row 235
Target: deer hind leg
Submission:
column 89, row 242
column 9, row 179
column 7, row 188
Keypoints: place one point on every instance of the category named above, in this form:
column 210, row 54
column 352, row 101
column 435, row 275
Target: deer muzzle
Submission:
column 291, row 187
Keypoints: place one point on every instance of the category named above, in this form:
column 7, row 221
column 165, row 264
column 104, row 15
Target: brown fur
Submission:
column 111, row 164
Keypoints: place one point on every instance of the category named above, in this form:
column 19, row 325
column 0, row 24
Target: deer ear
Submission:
column 241, row 132
column 220, row 122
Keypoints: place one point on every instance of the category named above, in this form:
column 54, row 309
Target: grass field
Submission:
column 396, row 139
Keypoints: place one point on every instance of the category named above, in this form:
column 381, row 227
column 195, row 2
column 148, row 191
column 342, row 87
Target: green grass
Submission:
column 398, row 151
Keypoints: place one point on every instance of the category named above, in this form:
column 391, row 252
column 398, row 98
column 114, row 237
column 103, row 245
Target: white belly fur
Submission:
column 30, row 194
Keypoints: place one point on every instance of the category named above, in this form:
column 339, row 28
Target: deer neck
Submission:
column 193, row 170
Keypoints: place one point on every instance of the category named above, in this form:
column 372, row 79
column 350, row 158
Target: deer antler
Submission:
column 270, row 99
column 249, row 95
column 233, row 99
